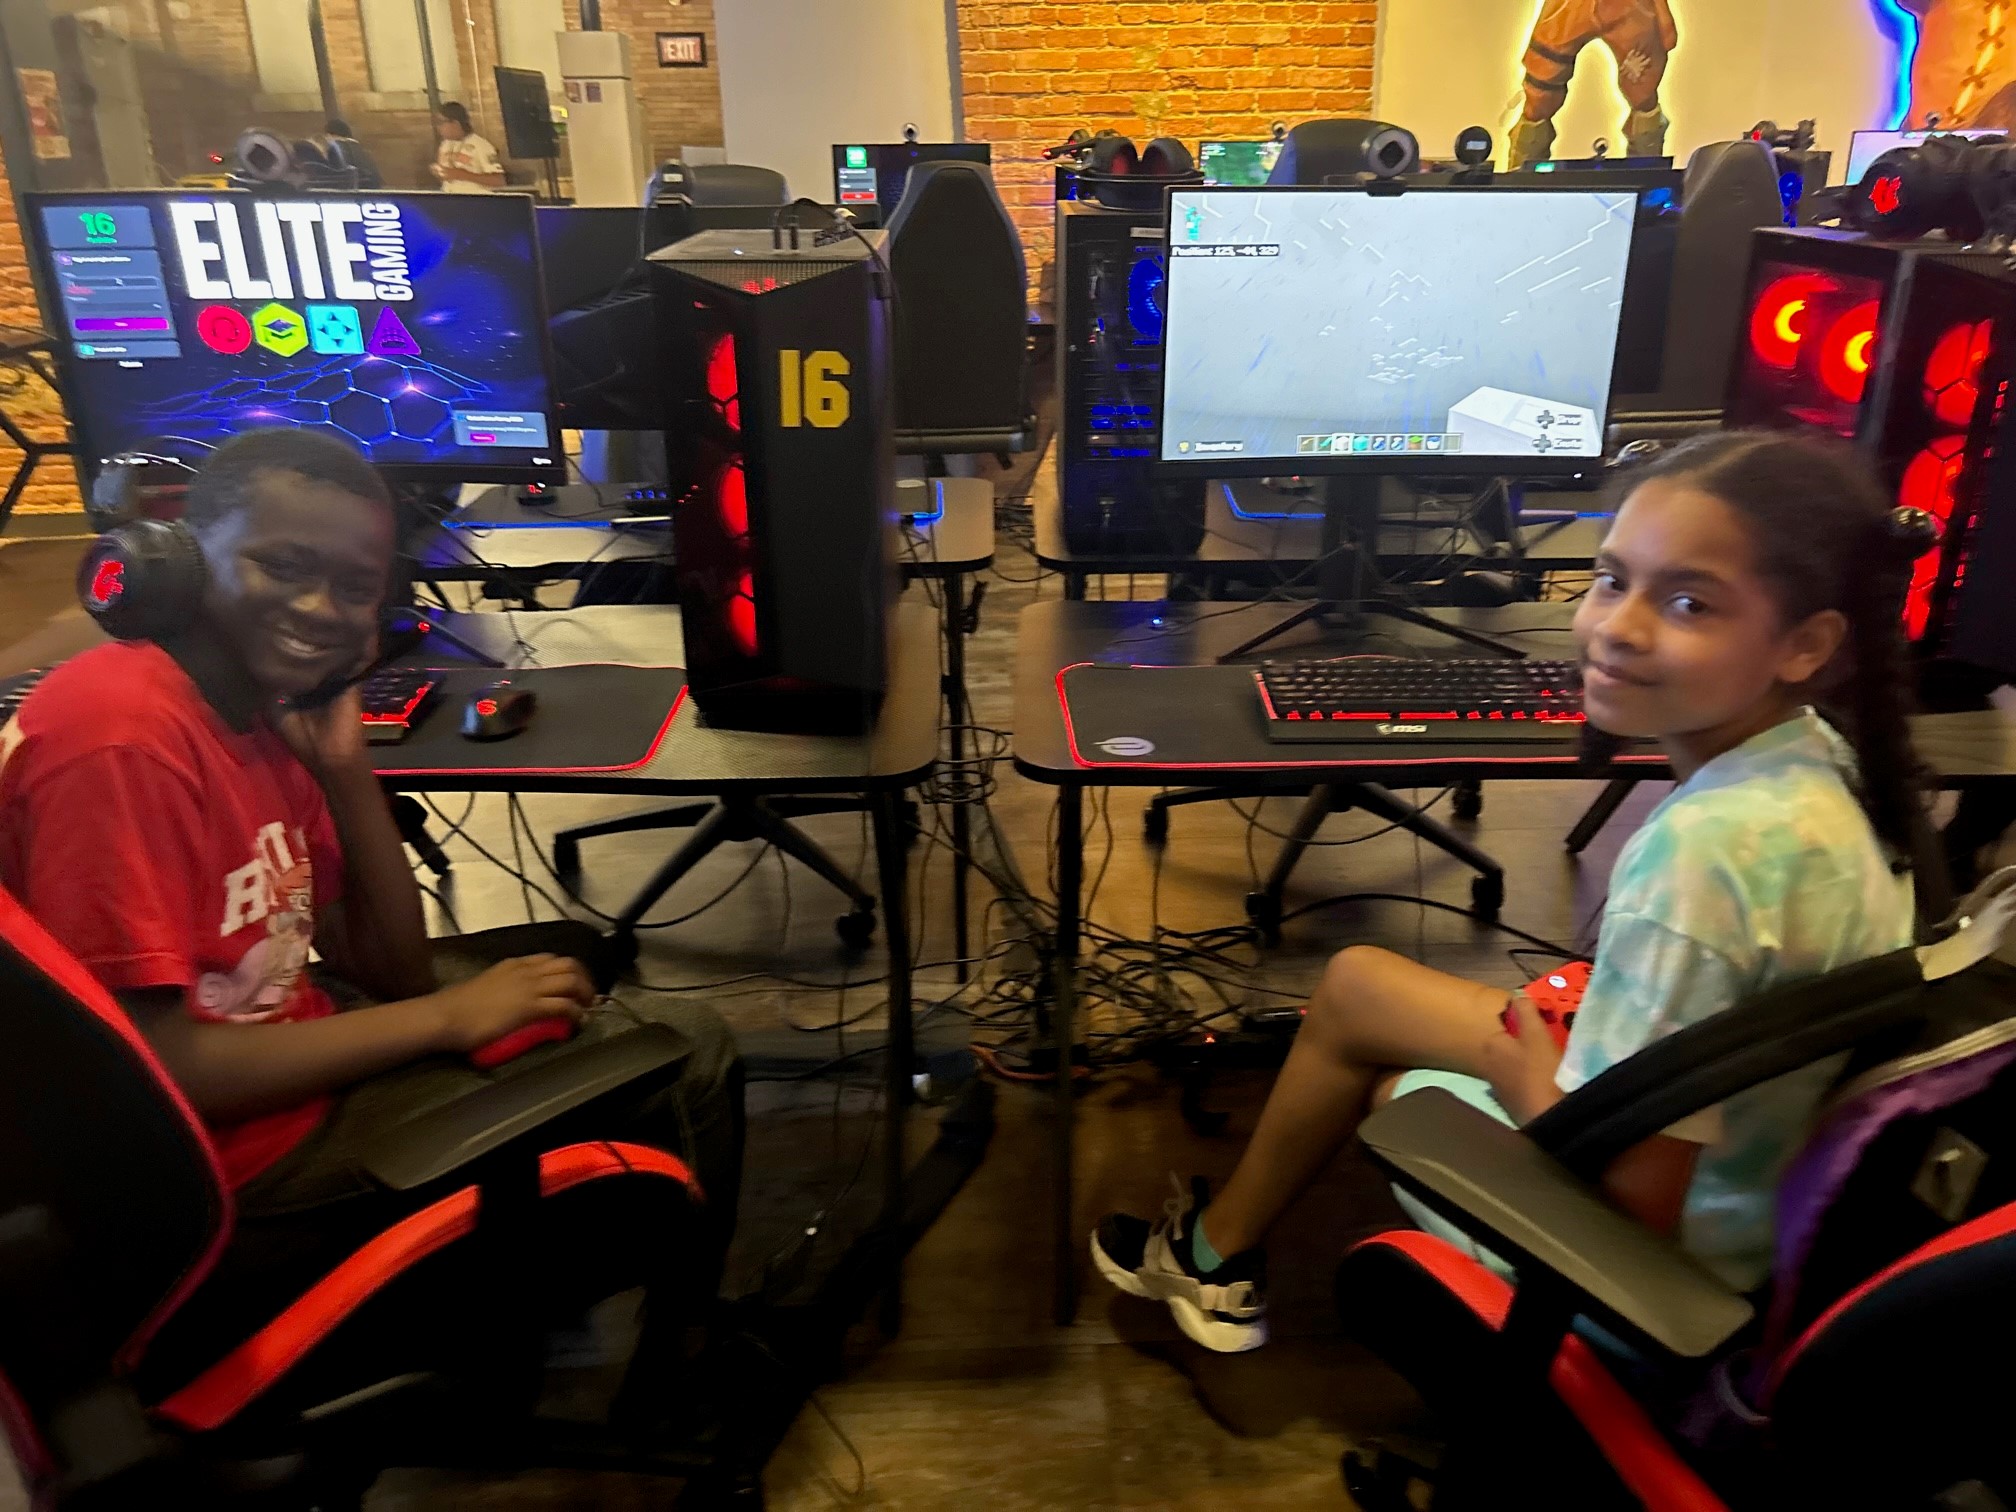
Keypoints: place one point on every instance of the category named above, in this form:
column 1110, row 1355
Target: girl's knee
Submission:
column 1352, row 975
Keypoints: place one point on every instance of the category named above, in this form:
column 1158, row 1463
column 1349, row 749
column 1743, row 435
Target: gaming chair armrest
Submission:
column 1497, row 1185
column 495, row 1117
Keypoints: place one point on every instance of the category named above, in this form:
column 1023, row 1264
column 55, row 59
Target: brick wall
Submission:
column 31, row 403
column 1033, row 71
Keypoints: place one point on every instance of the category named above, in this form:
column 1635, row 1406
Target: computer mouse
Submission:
column 497, row 711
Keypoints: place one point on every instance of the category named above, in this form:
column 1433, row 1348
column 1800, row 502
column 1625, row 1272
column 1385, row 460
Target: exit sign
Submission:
column 682, row 49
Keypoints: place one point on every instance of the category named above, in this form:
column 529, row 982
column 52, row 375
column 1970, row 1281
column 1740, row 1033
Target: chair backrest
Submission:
column 1909, row 1363
column 112, row 1205
column 1906, row 1150
column 962, row 313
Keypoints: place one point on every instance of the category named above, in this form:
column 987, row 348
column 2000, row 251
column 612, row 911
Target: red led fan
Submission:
column 1780, row 320
column 1847, row 350
column 1953, row 372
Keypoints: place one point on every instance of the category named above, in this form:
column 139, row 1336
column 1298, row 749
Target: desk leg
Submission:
column 901, row 1052
column 955, row 705
column 1063, row 1026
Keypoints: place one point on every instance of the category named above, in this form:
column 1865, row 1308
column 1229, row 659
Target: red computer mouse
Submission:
column 527, row 1037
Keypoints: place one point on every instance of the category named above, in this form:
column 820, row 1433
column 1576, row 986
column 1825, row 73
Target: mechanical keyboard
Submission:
column 395, row 700
column 1409, row 700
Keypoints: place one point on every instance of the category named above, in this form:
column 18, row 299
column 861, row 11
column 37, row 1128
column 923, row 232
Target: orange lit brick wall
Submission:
column 1031, row 72
column 25, row 397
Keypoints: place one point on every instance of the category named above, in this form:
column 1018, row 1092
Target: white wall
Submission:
column 1447, row 64
column 799, row 75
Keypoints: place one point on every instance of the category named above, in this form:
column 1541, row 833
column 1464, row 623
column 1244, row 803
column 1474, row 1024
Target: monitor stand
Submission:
column 1348, row 592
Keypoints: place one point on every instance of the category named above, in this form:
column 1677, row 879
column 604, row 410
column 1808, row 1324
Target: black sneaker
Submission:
column 1224, row 1310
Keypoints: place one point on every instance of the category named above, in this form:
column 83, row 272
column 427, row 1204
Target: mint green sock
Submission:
column 1202, row 1256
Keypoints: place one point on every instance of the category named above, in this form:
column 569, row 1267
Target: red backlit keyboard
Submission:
column 1395, row 699
column 395, row 700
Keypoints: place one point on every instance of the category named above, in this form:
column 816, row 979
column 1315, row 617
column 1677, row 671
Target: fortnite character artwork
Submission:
column 1965, row 70
column 1640, row 34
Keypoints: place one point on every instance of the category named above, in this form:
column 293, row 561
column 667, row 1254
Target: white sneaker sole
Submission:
column 1215, row 1334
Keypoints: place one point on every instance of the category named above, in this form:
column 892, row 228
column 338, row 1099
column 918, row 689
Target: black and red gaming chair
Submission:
column 114, row 1216
column 1872, row 1372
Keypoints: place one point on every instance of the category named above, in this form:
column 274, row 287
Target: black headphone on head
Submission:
column 143, row 578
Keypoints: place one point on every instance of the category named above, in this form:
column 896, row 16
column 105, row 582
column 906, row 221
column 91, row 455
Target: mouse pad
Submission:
column 596, row 717
column 1210, row 717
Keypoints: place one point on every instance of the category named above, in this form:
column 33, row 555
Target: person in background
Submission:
column 345, row 151
column 465, row 162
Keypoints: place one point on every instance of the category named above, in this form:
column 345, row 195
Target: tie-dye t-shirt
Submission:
column 1760, row 869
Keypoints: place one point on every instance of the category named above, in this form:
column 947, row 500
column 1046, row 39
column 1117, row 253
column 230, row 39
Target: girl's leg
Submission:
column 1372, row 1012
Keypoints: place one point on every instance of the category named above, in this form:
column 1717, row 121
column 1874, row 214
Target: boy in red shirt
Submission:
column 189, row 838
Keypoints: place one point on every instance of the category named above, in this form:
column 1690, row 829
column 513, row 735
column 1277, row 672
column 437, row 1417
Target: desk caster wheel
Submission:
column 1467, row 802
column 1155, row 824
column 567, row 859
column 1264, row 910
column 856, row 929
column 1487, row 896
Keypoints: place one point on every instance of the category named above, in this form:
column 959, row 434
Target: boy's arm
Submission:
column 376, row 934
column 231, row 1072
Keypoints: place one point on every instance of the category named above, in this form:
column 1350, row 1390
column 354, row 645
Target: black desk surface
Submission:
column 1962, row 749
column 583, row 524
column 1231, row 540
column 694, row 758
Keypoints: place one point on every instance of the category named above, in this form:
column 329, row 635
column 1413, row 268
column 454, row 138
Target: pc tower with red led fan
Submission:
column 1906, row 349
column 777, row 436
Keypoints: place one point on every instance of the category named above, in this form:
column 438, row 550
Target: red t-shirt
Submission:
column 165, row 849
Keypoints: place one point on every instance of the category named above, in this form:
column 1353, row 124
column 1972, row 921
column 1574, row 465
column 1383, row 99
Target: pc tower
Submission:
column 1905, row 348
column 1112, row 266
column 776, row 362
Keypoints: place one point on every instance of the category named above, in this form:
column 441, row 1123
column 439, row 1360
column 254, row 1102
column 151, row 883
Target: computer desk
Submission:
column 495, row 538
column 694, row 759
column 1962, row 750
column 1250, row 528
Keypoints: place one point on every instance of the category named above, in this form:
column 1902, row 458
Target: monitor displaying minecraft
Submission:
column 1246, row 163
column 410, row 324
column 1439, row 328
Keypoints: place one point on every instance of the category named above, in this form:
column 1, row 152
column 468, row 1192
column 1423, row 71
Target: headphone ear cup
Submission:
column 1114, row 156
column 1165, row 157
column 143, row 581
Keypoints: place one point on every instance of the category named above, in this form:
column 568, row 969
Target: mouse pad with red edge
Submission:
column 1210, row 717
column 597, row 717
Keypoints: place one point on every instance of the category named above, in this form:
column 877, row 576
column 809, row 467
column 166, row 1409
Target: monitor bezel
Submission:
column 1381, row 464
column 90, row 457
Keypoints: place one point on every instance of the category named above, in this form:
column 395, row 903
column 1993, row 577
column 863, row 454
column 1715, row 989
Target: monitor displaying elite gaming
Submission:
column 411, row 324
column 1243, row 163
column 1438, row 329
column 875, row 173
column 1864, row 147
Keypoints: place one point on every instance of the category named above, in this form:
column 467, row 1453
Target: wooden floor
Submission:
column 981, row 1402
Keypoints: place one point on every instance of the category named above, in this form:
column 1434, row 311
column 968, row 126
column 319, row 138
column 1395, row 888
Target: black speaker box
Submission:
column 776, row 364
column 1112, row 268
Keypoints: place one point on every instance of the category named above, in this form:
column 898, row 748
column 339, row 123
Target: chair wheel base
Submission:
column 567, row 859
column 857, row 929
column 1155, row 824
column 1380, row 1480
column 1487, row 896
column 1467, row 802
column 1264, row 910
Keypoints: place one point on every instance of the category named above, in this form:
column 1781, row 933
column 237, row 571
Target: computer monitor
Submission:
column 409, row 324
column 1244, row 163
column 1864, row 147
column 1465, row 329
column 874, row 173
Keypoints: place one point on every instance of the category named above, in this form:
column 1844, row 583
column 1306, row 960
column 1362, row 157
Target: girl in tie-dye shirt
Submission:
column 1744, row 615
